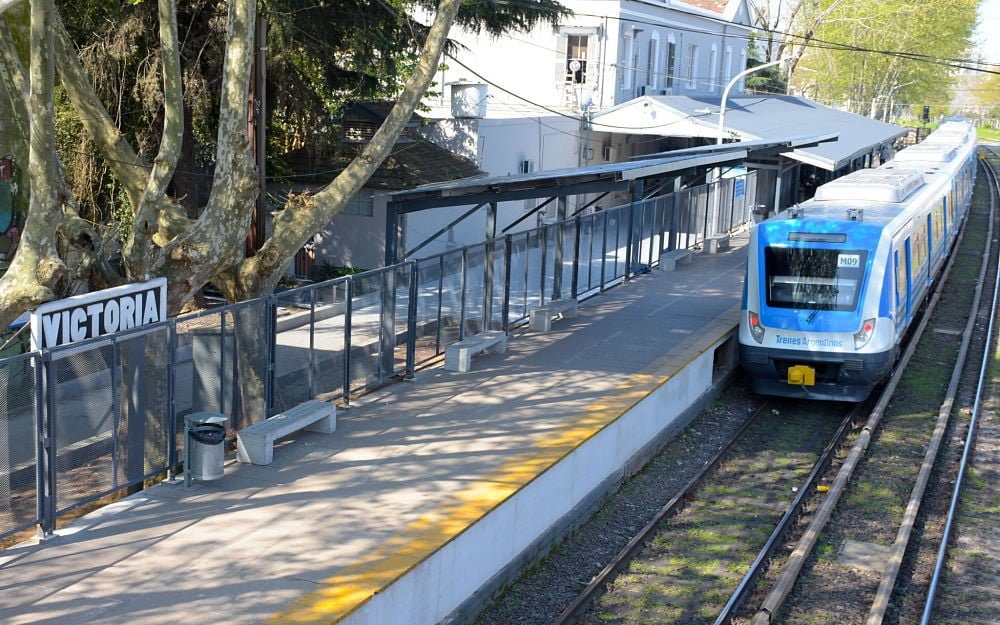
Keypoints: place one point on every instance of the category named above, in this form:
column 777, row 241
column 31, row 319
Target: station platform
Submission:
column 428, row 491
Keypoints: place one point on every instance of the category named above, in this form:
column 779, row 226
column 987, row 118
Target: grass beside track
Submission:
column 970, row 591
column 872, row 508
column 696, row 559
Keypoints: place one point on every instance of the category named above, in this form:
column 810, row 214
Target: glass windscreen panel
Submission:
column 814, row 279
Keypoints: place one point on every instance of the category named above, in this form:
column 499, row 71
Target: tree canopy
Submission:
column 153, row 174
column 868, row 81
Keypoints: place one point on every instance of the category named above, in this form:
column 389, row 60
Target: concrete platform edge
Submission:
column 437, row 586
column 466, row 613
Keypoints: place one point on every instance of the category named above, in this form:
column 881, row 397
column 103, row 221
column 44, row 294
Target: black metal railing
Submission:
column 80, row 422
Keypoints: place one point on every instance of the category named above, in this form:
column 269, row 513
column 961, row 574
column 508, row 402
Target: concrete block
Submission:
column 458, row 356
column 255, row 443
column 540, row 319
column 670, row 260
column 714, row 245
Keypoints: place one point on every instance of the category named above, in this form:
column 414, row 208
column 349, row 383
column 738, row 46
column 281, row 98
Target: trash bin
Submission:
column 204, row 453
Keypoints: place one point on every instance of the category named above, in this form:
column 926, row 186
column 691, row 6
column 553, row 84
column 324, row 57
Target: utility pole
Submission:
column 257, row 122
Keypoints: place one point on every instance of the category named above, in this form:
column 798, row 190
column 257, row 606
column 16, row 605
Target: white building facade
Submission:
column 541, row 87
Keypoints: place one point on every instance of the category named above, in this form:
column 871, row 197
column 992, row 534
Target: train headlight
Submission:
column 756, row 330
column 862, row 336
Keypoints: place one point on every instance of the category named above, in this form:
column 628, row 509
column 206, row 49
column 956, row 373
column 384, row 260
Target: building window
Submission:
column 671, row 60
column 577, row 55
column 634, row 69
column 743, row 66
column 692, row 67
column 713, row 68
column 727, row 65
column 628, row 42
column 653, row 62
column 362, row 204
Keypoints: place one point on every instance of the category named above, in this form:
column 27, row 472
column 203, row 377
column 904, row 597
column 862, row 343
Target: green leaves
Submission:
column 940, row 29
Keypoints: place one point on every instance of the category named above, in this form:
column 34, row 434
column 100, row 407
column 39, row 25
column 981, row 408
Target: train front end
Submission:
column 815, row 321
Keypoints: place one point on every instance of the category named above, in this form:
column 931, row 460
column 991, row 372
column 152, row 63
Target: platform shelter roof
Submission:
column 595, row 178
column 750, row 118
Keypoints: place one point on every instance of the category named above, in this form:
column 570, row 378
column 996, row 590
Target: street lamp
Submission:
column 736, row 79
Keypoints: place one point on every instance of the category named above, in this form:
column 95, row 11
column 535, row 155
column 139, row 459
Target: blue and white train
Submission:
column 833, row 284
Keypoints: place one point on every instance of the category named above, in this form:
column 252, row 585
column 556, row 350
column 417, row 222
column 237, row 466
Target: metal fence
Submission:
column 83, row 421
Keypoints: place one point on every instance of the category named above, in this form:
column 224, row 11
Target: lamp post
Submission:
column 736, row 79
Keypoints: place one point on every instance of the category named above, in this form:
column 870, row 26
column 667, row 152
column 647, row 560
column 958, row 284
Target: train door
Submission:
column 909, row 278
column 945, row 218
column 930, row 243
column 899, row 264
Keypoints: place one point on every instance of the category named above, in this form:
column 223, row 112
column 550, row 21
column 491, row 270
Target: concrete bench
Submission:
column 458, row 356
column 670, row 260
column 540, row 319
column 715, row 244
column 255, row 443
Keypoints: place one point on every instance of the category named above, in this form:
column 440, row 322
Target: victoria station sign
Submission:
column 86, row 316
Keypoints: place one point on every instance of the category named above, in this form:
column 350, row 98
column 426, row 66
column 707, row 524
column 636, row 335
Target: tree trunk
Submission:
column 294, row 225
column 37, row 271
column 140, row 250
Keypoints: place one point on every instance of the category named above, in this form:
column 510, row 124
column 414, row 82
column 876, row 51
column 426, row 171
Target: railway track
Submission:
column 871, row 591
column 698, row 546
column 983, row 390
column 709, row 542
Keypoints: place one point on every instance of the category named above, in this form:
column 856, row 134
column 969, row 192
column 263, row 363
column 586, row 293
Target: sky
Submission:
column 988, row 33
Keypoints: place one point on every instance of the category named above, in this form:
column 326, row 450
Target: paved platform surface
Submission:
column 337, row 517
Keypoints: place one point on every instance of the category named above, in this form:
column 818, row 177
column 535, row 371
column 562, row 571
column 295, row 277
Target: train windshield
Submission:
column 814, row 279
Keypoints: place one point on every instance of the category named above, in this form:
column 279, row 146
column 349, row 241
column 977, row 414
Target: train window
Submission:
column 814, row 279
column 919, row 249
column 938, row 222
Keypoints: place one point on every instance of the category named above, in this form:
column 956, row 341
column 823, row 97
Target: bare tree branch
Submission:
column 140, row 250
column 297, row 222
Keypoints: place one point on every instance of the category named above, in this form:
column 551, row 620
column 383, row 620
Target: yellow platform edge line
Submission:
column 355, row 584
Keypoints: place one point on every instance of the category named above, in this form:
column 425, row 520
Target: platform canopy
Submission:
column 750, row 118
column 595, row 178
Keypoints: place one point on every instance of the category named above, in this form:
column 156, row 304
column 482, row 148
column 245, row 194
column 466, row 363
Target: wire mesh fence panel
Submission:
column 204, row 366
column 749, row 196
column 533, row 279
column 655, row 230
column 18, row 443
column 84, row 413
column 451, row 298
column 327, row 365
column 621, row 219
column 297, row 314
column 250, row 325
column 667, row 222
column 497, row 254
column 430, row 294
column 567, row 236
column 701, row 217
column 517, row 307
column 585, row 265
column 400, row 278
column 645, row 217
column 546, row 278
column 366, row 329
column 474, row 289
column 144, row 408
column 728, row 206
column 681, row 219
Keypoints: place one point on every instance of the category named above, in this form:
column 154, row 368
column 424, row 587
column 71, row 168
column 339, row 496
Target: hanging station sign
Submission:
column 86, row 316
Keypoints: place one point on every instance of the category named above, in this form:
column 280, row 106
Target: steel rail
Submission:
column 807, row 542
column 942, row 553
column 791, row 514
column 898, row 550
column 580, row 603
